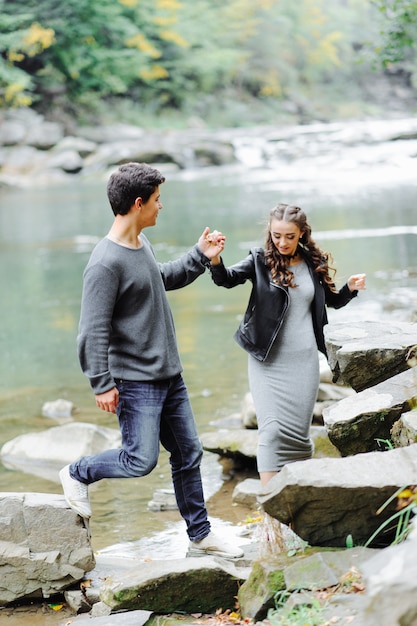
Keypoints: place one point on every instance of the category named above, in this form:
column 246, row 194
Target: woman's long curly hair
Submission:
column 279, row 264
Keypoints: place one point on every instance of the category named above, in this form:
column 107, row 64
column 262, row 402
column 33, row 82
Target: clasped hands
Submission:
column 211, row 244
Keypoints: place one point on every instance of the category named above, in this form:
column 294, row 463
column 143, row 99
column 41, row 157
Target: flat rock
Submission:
column 363, row 354
column 345, row 492
column 45, row 453
column 237, row 444
column 128, row 618
column 190, row 585
column 240, row 444
column 359, row 423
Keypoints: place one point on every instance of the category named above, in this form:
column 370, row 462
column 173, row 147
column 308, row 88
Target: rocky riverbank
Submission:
column 356, row 494
column 35, row 152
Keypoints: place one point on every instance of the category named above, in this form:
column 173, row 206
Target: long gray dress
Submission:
column 284, row 386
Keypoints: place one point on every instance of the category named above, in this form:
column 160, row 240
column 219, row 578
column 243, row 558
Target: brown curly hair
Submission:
column 279, row 264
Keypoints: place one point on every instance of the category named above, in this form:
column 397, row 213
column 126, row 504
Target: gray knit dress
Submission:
column 284, row 386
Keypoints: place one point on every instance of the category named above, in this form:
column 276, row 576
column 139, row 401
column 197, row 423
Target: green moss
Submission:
column 276, row 581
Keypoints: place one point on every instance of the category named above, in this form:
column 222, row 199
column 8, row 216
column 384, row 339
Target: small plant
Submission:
column 386, row 444
column 406, row 508
column 307, row 613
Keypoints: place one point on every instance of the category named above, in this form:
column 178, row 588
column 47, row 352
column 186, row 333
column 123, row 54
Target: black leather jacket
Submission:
column 268, row 302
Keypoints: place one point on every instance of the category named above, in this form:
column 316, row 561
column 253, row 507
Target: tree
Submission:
column 81, row 47
column 397, row 42
column 398, row 29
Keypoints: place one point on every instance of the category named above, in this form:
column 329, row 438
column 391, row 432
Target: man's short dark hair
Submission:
column 131, row 181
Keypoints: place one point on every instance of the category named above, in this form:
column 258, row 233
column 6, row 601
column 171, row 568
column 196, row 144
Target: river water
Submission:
column 46, row 236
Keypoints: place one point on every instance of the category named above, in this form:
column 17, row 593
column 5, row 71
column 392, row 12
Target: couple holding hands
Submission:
column 127, row 346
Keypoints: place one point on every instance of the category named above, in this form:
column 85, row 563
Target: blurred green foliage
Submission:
column 191, row 55
column 397, row 42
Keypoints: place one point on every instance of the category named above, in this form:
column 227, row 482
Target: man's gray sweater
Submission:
column 126, row 328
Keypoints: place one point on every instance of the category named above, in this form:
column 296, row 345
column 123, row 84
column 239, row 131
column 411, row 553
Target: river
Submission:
column 47, row 234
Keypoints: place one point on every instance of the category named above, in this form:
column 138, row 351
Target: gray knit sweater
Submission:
column 126, row 327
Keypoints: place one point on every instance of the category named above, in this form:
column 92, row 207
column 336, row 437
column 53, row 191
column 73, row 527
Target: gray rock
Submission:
column 327, row 500
column 111, row 133
column 44, row 546
column 119, row 152
column 163, row 500
column 12, row 132
column 389, row 575
column 58, row 408
column 333, row 393
column 23, row 160
column 67, row 160
column 213, row 153
column 100, row 609
column 358, row 423
column 239, row 445
column 324, row 569
column 311, row 572
column 130, row 618
column 246, row 492
column 257, row 595
column 404, row 432
column 45, row 453
column 190, row 585
column 364, row 354
column 83, row 147
column 44, row 135
column 77, row 601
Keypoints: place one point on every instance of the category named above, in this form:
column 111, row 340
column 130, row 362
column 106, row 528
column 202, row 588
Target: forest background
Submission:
column 175, row 63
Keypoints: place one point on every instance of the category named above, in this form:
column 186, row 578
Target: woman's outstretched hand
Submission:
column 357, row 282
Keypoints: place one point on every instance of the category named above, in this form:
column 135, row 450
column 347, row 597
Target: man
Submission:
column 127, row 348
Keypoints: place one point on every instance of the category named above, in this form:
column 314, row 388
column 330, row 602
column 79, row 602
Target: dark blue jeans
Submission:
column 149, row 413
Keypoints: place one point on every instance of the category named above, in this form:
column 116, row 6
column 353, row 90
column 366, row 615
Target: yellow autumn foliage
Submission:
column 14, row 95
column 140, row 42
column 271, row 86
column 37, row 39
column 164, row 20
column 171, row 35
column 153, row 72
column 169, row 5
column 326, row 51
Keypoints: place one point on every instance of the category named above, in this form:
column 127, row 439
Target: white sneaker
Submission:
column 212, row 545
column 76, row 493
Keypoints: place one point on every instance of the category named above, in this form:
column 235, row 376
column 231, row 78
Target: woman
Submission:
column 282, row 329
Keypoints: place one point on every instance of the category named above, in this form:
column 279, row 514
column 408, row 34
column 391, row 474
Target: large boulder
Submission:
column 202, row 584
column 363, row 354
column 45, row 452
column 326, row 501
column 392, row 574
column 44, row 546
column 361, row 422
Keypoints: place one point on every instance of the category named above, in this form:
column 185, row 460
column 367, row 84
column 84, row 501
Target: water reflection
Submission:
column 46, row 237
